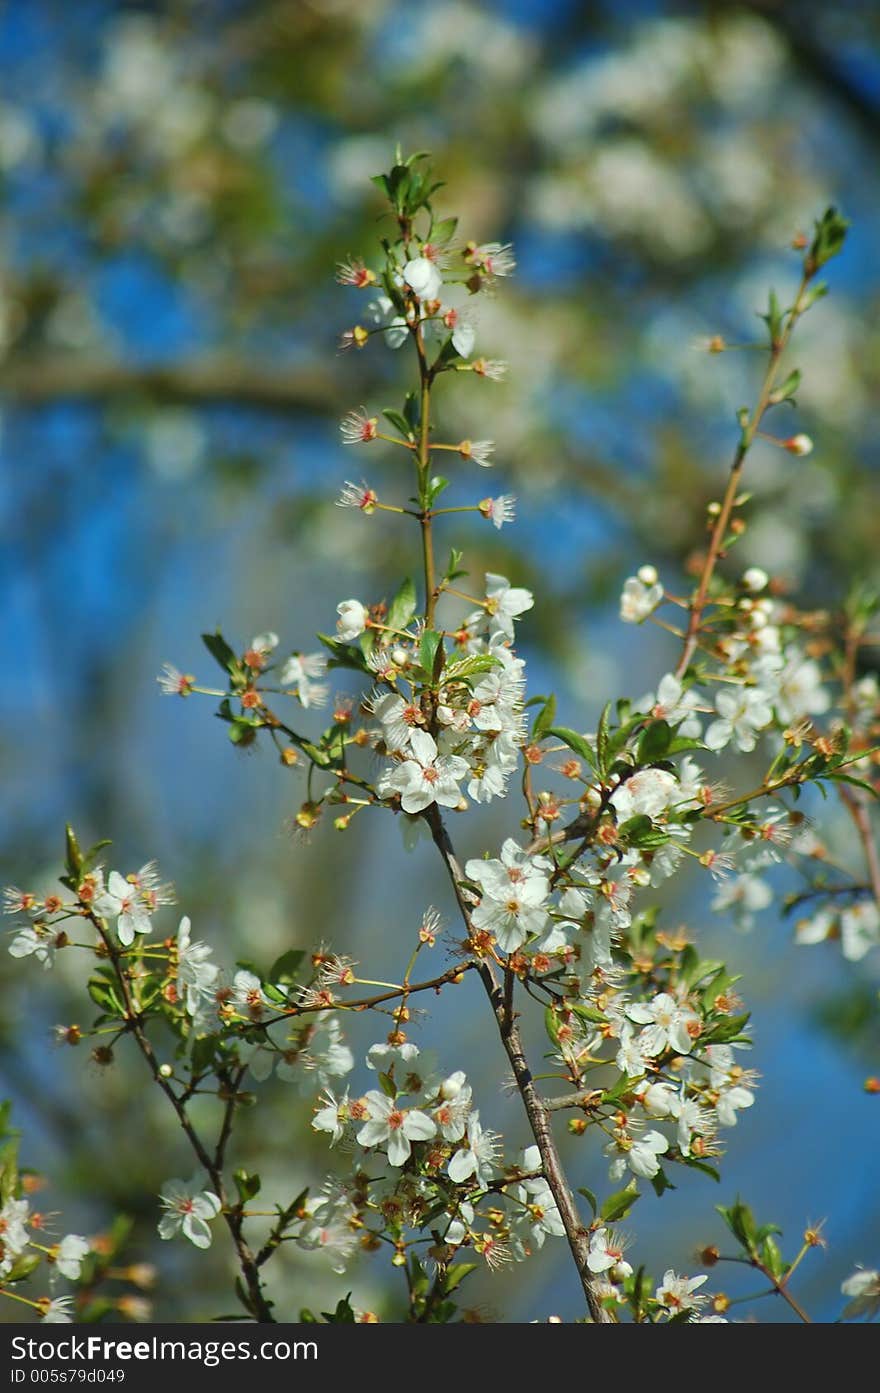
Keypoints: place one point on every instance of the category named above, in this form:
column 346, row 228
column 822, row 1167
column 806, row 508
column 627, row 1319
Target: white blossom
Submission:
column 478, row 1157
column 638, row 600
column 72, row 1250
column 741, row 714
column 352, row 621
column 189, row 1209
column 123, row 902
column 425, row 776
column 394, row 1126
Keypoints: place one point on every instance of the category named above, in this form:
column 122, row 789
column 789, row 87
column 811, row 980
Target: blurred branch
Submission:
column 818, row 62
column 42, row 379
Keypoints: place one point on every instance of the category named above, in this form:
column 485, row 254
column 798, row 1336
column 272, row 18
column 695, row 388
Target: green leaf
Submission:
column 829, row 238
column 443, row 231
column 286, row 968
column 618, row 1205
column 103, row 994
column 246, row 1184
column 661, row 1182
column 772, row 1258
column 388, row 1086
column 437, row 486
column 429, row 647
column 220, row 651
column 774, row 318
column 74, row 857
column 551, row 1025
column 453, row 566
column 728, row 1029
column 343, row 1315
column 457, row 1273
column 654, row 743
column 343, row 654
column 578, row 743
column 696, row 1165
column 412, row 412
column 602, row 737
column 740, row 1220
column 544, row 719
column 203, row 1051
column 9, row 1170
column 786, row 390
column 680, row 743
column 398, row 421
column 639, row 831
column 403, row 606
column 23, row 1267
column 590, row 1198
column 470, row 666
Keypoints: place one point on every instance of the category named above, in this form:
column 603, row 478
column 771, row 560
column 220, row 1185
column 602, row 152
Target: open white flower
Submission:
column 352, row 619
column 393, row 1126
column 189, row 1209
column 638, row 1153
column 196, row 976
column 677, row 1293
column 32, row 940
column 478, row 1157
column 299, row 671
column 423, row 278
column 123, row 902
column 606, row 1255
column 638, row 600
column 58, row 1311
column 505, row 603
column 427, row 777
column 72, row 1250
column 668, row 1025
column 863, row 1289
column 332, row 1116
column 741, row 714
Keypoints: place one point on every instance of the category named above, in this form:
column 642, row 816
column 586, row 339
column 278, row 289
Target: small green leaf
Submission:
column 403, row 606
column 286, row 968
column 654, row 743
column 772, row 1258
column 602, row 737
column 343, row 1315
column 220, row 651
column 578, row 743
column 457, row 1273
column 74, row 857
column 619, row 1204
column 398, row 421
column 387, row 1085
column 590, row 1198
column 246, row 1184
column 545, row 717
column 428, row 649
column 23, row 1267
column 661, row 1182
column 343, row 654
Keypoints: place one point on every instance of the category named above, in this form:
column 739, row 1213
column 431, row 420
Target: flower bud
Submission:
column 755, row 579
column 798, row 445
column 647, row 575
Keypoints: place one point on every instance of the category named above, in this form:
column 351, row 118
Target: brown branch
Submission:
column 536, row 1110
column 452, row 974
column 747, row 436
column 231, row 1213
column 38, row 379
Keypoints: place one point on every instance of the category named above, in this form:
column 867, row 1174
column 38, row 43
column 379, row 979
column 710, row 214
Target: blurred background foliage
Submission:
column 177, row 182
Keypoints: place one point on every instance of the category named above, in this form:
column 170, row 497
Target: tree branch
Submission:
column 40, row 379
column 536, row 1111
